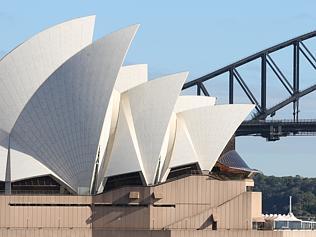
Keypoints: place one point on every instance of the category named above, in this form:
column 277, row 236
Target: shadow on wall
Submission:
column 209, row 221
column 123, row 212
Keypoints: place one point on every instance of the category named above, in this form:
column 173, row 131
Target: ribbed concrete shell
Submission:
column 184, row 151
column 26, row 67
column 131, row 76
column 125, row 156
column 180, row 147
column 61, row 125
column 3, row 162
column 128, row 77
column 210, row 128
column 80, row 116
column 151, row 105
column 192, row 102
column 144, row 117
column 24, row 166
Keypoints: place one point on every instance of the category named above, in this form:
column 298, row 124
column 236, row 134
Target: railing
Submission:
column 283, row 121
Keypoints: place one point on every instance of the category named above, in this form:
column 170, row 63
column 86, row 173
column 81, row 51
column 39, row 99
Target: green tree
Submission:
column 276, row 192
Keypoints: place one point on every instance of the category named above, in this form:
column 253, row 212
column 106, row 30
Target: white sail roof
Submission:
column 61, row 124
column 128, row 77
column 25, row 68
column 24, row 166
column 131, row 76
column 69, row 109
column 3, row 162
column 210, row 129
column 182, row 151
column 125, row 156
column 186, row 102
column 152, row 104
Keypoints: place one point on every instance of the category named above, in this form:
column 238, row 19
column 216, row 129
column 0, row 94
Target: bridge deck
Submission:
column 272, row 130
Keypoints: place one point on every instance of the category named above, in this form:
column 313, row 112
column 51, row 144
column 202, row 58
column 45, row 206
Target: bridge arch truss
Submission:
column 259, row 124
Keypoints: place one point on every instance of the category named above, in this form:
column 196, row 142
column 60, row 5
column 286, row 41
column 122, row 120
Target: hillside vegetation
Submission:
column 276, row 192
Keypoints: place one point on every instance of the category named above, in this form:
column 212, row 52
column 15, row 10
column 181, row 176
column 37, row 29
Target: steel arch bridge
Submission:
column 259, row 125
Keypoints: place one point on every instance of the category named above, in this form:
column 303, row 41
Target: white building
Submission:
column 69, row 109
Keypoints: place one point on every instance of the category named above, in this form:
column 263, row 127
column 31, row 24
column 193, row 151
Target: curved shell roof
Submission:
column 128, row 77
column 151, row 106
column 3, row 162
column 192, row 102
column 19, row 162
column 75, row 113
column 233, row 160
column 210, row 129
column 25, row 68
column 60, row 126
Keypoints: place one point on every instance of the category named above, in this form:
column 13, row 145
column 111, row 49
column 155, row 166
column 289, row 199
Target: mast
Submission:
column 290, row 206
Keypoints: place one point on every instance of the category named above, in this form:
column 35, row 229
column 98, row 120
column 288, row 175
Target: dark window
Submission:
column 185, row 170
column 38, row 185
column 2, row 187
column 249, row 188
column 214, row 225
column 129, row 179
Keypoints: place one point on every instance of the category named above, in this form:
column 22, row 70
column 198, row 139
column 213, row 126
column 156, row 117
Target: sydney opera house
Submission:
column 90, row 147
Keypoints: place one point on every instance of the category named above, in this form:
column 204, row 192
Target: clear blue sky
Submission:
column 195, row 36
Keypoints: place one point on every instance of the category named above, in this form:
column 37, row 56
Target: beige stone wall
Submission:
column 77, row 232
column 131, row 233
column 299, row 233
column 45, row 232
column 192, row 195
column 173, row 209
column 184, row 203
column 256, row 204
column 44, row 216
column 200, row 190
column 239, row 212
column 120, row 195
column 234, row 214
column 225, row 233
column 119, row 215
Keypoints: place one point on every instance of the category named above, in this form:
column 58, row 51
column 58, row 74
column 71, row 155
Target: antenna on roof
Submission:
column 290, row 206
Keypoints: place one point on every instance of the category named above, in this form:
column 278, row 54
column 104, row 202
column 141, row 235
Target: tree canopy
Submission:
column 276, row 192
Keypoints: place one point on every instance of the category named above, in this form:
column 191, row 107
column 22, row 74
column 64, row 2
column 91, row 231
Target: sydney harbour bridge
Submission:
column 261, row 124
